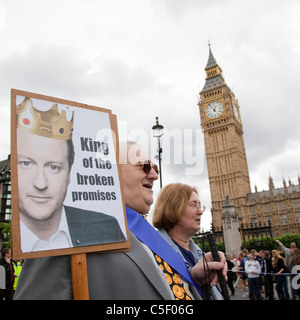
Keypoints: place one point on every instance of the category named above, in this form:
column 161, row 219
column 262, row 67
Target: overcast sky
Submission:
column 146, row 58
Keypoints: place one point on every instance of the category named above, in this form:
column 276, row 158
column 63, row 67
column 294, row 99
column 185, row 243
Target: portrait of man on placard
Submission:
column 45, row 156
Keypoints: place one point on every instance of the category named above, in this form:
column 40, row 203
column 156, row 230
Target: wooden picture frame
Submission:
column 95, row 184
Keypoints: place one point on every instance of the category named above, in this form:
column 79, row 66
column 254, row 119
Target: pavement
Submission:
column 238, row 294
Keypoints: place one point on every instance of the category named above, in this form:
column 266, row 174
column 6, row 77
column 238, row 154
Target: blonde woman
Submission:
column 281, row 279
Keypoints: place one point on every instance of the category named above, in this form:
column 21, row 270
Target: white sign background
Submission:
column 93, row 126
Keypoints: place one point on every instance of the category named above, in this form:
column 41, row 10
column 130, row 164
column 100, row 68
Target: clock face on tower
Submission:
column 236, row 112
column 214, row 110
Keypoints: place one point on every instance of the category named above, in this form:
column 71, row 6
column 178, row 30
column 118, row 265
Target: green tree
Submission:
column 5, row 233
column 286, row 239
column 260, row 243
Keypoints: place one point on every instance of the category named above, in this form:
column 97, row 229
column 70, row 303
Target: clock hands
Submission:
column 214, row 110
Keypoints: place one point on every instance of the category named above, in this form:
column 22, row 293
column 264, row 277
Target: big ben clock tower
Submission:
column 224, row 144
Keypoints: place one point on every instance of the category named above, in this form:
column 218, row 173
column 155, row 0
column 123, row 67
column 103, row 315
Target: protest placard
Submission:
column 65, row 178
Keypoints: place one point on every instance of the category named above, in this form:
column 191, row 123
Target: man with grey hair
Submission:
column 288, row 252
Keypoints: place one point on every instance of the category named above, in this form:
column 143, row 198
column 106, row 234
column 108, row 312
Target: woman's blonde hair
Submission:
column 170, row 204
column 276, row 255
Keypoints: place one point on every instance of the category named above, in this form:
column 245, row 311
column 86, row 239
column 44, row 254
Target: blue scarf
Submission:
column 144, row 231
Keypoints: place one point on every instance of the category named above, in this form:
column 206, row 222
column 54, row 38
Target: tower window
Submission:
column 281, row 205
column 253, row 210
column 283, row 219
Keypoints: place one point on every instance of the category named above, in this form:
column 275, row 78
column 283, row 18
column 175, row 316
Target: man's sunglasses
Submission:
column 147, row 166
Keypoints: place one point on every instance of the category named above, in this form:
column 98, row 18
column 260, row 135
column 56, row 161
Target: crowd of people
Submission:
column 256, row 273
column 262, row 274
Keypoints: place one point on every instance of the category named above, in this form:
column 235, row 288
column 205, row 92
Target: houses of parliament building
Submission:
column 227, row 166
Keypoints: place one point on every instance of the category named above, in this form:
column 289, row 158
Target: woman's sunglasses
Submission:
column 147, row 166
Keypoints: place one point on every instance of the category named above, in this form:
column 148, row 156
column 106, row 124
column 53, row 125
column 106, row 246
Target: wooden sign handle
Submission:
column 79, row 277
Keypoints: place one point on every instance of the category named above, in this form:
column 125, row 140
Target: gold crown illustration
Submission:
column 50, row 123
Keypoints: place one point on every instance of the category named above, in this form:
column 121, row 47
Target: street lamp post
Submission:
column 157, row 133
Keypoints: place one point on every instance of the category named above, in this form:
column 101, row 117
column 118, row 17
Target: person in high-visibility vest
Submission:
column 18, row 267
